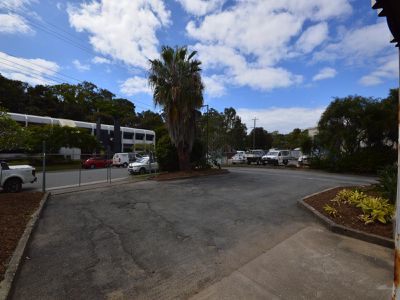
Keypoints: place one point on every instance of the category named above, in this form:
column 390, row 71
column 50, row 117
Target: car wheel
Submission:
column 125, row 165
column 92, row 166
column 142, row 171
column 13, row 185
column 285, row 162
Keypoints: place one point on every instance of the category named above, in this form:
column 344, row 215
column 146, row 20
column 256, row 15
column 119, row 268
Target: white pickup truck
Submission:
column 12, row 177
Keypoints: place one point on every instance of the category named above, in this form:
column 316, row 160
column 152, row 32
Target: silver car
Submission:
column 143, row 165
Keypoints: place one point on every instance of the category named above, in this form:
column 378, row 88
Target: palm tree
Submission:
column 177, row 88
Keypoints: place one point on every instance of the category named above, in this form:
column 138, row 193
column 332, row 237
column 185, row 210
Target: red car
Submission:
column 96, row 162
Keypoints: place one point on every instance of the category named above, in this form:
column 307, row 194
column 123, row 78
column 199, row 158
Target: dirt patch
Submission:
column 348, row 214
column 189, row 174
column 15, row 212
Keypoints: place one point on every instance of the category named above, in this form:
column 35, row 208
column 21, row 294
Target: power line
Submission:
column 24, row 68
column 27, row 73
column 59, row 36
column 42, row 67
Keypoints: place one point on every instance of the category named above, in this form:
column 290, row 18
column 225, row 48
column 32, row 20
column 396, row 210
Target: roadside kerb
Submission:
column 340, row 229
column 17, row 258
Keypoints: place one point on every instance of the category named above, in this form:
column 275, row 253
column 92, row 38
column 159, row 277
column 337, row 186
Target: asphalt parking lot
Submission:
column 165, row 240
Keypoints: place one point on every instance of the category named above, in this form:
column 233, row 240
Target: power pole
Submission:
column 391, row 10
column 254, row 133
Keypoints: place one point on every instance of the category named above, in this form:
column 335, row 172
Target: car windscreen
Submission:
column 143, row 160
column 273, row 153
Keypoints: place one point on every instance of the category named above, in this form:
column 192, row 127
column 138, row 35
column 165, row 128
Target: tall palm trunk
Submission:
column 184, row 158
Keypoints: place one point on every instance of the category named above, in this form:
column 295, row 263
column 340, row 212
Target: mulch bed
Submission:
column 189, row 174
column 348, row 214
column 15, row 212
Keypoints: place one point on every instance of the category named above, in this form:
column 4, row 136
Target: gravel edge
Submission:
column 16, row 261
column 340, row 229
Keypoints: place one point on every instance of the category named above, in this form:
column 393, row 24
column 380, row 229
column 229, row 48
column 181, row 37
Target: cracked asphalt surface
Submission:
column 164, row 240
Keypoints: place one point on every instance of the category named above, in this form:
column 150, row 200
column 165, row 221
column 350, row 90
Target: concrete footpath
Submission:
column 312, row 264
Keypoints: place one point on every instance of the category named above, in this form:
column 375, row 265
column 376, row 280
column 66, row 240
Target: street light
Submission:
column 391, row 10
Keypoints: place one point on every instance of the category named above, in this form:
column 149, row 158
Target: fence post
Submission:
column 150, row 158
column 80, row 172
column 44, row 167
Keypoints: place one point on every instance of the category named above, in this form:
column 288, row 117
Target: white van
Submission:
column 123, row 159
column 276, row 157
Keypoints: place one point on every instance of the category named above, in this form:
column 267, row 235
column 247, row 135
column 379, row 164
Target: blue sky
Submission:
column 280, row 61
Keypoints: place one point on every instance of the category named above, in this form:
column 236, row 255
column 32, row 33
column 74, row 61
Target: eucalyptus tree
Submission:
column 177, row 87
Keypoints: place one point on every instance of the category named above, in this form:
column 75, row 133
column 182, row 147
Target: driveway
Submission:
column 164, row 240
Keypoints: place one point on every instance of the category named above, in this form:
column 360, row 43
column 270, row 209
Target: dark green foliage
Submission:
column 295, row 139
column 197, row 157
column 167, row 155
column 387, row 182
column 12, row 135
column 358, row 134
column 263, row 139
column 83, row 102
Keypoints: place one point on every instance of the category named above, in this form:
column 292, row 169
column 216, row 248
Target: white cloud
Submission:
column 388, row 68
column 312, row 37
column 283, row 120
column 359, row 45
column 135, row 85
column 15, row 4
column 124, row 30
column 214, row 85
column 237, row 71
column 12, row 23
column 246, row 42
column 34, row 71
column 100, row 60
column 325, row 73
column 79, row 66
column 201, row 7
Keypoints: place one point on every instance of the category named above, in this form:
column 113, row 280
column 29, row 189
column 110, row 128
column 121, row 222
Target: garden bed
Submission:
column 348, row 215
column 15, row 212
column 189, row 174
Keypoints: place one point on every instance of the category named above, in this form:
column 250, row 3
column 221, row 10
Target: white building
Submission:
column 129, row 136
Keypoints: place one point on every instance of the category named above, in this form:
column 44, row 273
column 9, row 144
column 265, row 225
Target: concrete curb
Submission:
column 17, row 258
column 222, row 171
column 340, row 229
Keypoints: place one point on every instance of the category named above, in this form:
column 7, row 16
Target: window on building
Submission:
column 139, row 136
column 128, row 135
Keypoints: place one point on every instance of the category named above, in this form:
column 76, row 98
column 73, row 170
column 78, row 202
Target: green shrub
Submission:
column 376, row 209
column 373, row 208
column 330, row 210
column 366, row 160
column 387, row 182
column 167, row 155
column 197, row 156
